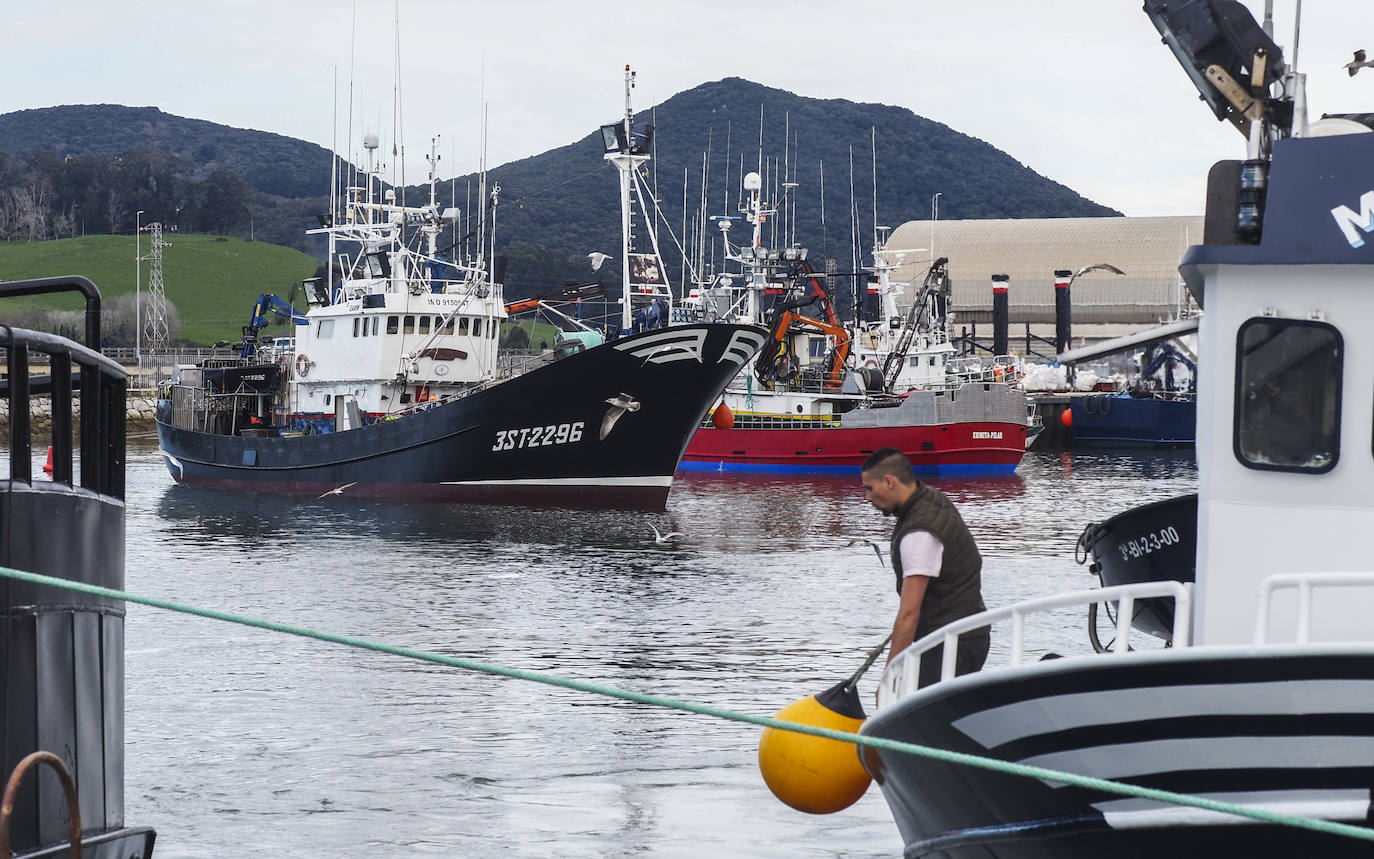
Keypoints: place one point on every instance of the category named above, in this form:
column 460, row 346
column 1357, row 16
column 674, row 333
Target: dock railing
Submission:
column 903, row 674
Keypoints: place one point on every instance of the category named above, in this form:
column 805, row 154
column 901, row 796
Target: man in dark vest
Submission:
column 936, row 561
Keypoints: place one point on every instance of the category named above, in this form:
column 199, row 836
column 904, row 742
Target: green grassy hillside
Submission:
column 212, row 280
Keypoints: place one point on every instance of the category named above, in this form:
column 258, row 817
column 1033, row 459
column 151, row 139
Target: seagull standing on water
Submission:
column 665, row 538
column 619, row 406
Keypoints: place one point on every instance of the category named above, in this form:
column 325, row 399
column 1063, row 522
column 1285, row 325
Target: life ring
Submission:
column 302, row 365
column 871, row 364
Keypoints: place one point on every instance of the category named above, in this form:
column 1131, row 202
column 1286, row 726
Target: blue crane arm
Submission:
column 1167, row 351
column 267, row 304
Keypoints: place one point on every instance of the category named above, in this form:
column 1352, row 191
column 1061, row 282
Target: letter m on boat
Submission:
column 1351, row 223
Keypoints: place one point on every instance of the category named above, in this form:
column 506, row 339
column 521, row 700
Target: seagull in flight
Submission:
column 598, row 258
column 665, row 538
column 340, row 490
column 1358, row 63
column 619, row 406
column 874, row 546
column 1101, row 266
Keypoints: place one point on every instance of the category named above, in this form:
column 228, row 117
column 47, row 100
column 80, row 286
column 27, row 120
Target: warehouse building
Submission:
column 1030, row 251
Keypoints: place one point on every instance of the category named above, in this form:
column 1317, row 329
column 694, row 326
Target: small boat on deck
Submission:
column 1265, row 699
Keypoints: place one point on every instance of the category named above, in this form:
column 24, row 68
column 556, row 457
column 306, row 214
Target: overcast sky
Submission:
column 1081, row 91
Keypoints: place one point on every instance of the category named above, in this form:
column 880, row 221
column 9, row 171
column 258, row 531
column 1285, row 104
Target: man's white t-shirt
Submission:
column 922, row 554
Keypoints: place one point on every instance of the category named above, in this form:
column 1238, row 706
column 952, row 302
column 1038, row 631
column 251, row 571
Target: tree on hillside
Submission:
column 225, row 202
column 31, row 208
column 114, row 209
column 518, row 338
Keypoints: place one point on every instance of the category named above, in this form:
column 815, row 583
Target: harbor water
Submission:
column 247, row 742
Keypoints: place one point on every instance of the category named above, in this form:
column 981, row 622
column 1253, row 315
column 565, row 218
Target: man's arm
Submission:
column 908, row 614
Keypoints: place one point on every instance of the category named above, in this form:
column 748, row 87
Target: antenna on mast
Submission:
column 873, row 131
column 628, row 147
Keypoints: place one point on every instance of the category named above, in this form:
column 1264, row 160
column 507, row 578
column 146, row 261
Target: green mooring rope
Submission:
column 1104, row 785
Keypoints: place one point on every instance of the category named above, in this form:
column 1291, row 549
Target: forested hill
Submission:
column 571, row 206
column 270, row 163
column 90, row 168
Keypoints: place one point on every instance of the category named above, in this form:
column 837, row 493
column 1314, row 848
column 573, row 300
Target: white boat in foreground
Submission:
column 1265, row 699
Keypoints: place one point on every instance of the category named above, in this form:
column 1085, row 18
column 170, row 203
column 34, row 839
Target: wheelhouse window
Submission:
column 424, row 324
column 365, row 321
column 393, row 324
column 378, row 266
column 409, row 326
column 477, row 328
column 816, row 347
column 463, row 325
column 326, row 329
column 1288, row 395
column 448, row 326
column 376, row 322
column 356, row 320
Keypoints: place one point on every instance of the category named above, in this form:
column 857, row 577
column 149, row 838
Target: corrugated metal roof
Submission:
column 1030, row 250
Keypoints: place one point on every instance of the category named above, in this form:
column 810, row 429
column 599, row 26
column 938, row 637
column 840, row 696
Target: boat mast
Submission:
column 626, row 162
column 757, row 258
column 432, row 223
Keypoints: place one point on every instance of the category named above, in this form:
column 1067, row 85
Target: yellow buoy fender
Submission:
column 817, row 775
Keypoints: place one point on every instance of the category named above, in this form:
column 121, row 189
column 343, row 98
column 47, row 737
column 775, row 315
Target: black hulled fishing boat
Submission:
column 393, row 386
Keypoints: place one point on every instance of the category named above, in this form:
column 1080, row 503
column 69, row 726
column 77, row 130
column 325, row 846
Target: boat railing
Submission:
column 514, row 363
column 801, row 386
column 100, row 384
column 750, row 421
column 903, row 675
column 1304, row 584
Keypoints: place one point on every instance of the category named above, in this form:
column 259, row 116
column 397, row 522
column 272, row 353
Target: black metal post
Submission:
column 1063, row 311
column 21, row 452
column 1001, row 318
column 61, row 365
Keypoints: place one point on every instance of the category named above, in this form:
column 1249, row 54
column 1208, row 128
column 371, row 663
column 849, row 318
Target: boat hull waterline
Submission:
column 1235, row 726
column 985, row 447
column 1125, row 421
column 551, row 436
